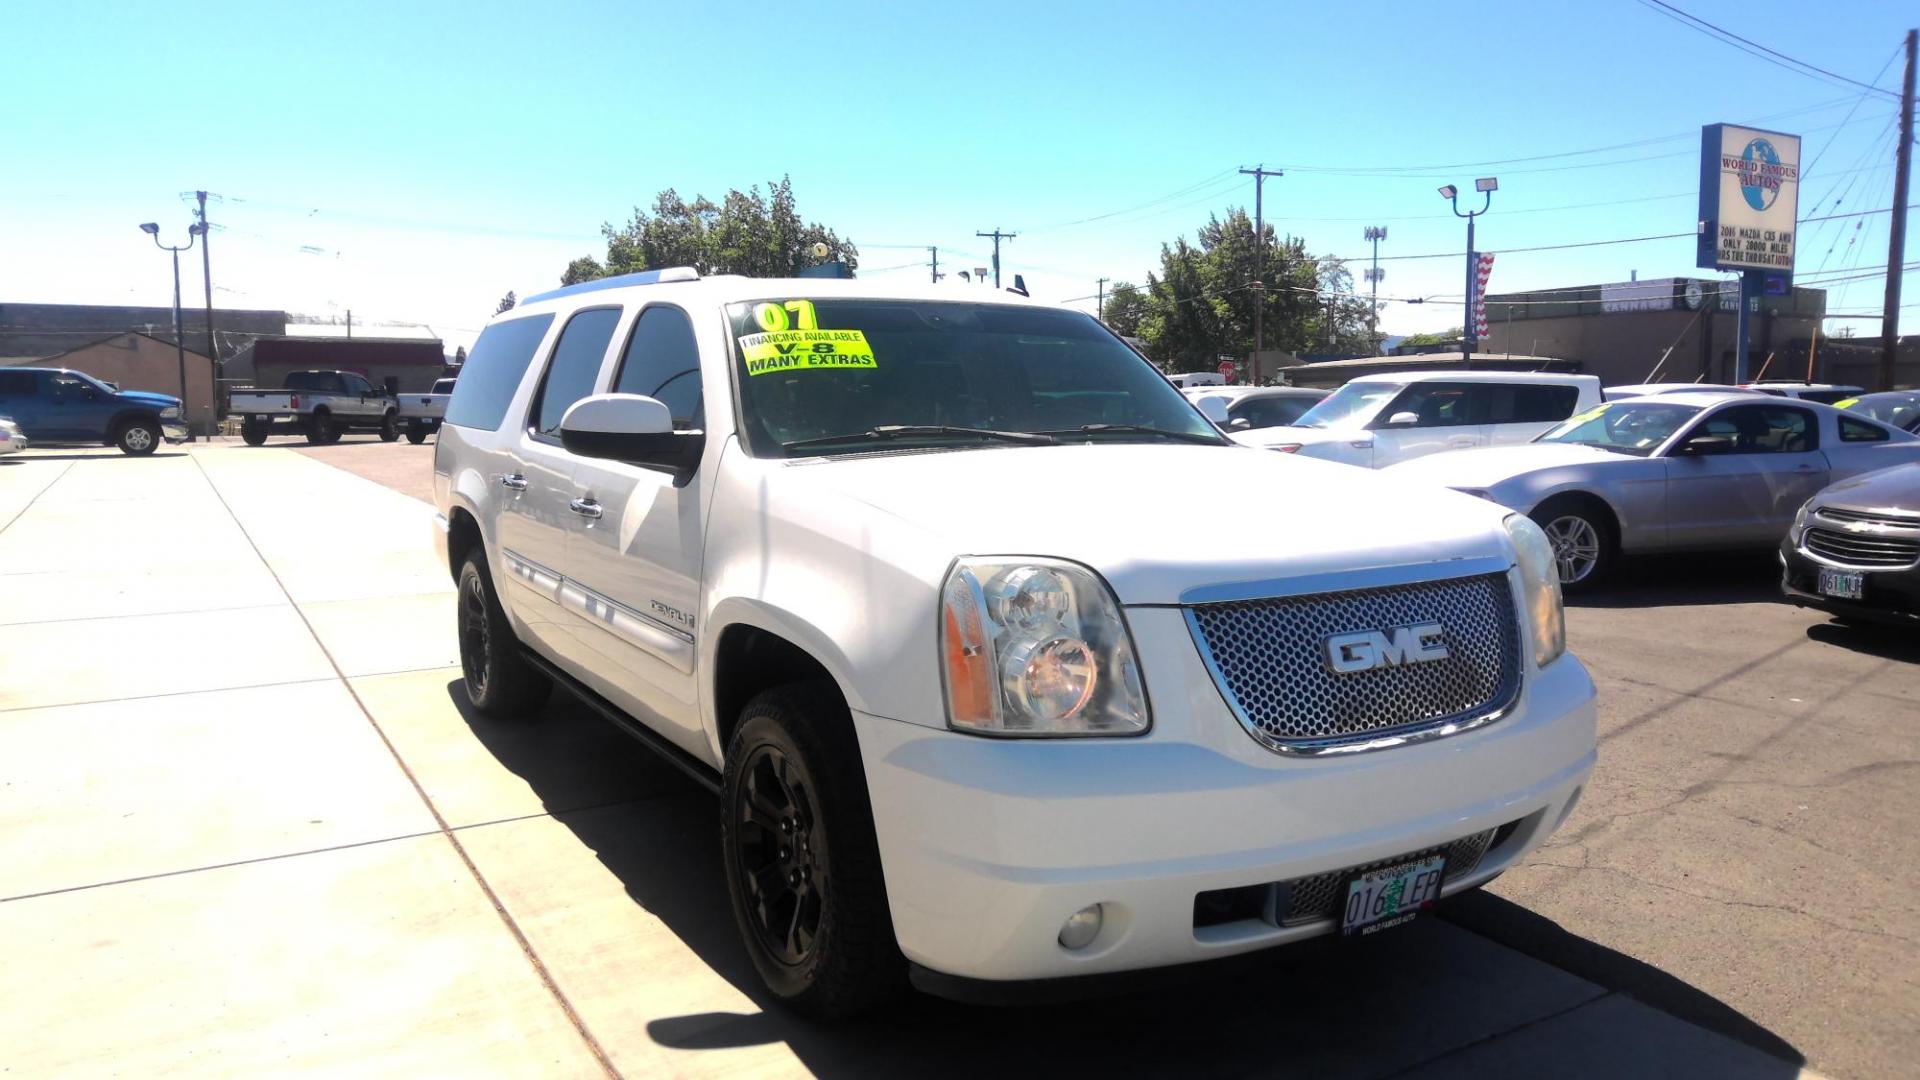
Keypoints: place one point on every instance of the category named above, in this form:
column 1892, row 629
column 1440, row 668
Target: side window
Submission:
column 572, row 369
column 493, row 372
column 1436, row 404
column 1765, row 429
column 68, row 388
column 17, row 384
column 358, row 385
column 1543, row 404
column 1857, row 431
column 662, row 361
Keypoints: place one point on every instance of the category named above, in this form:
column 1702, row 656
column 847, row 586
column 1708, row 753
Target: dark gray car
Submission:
column 1854, row 549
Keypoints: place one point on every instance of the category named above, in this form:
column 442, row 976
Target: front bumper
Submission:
column 989, row 845
column 174, row 431
column 1891, row 596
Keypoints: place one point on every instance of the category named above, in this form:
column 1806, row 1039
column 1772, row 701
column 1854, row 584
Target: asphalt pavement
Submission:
column 247, row 825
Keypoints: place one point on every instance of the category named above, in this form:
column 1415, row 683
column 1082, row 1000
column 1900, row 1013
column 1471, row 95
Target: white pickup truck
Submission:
column 422, row 413
column 322, row 405
column 928, row 587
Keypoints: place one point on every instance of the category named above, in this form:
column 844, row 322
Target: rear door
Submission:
column 536, row 514
column 1746, row 498
column 1443, row 422
column 1516, row 413
column 636, row 564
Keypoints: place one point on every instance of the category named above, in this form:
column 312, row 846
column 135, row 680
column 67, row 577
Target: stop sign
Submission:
column 1226, row 367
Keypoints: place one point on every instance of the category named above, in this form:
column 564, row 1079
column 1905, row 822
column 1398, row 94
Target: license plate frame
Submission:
column 1842, row 584
column 1420, row 879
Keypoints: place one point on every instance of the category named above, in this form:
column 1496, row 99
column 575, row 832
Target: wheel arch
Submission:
column 1576, row 496
column 748, row 648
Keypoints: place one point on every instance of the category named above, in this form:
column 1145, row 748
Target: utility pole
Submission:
column 349, row 322
column 935, row 252
column 206, row 271
column 997, row 237
column 1259, row 174
column 1897, row 234
column 1100, row 304
column 1375, row 234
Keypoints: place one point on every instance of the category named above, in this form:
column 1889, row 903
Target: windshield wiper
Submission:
column 912, row 431
column 1140, row 429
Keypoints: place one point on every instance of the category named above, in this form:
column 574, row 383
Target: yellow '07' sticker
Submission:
column 806, row 350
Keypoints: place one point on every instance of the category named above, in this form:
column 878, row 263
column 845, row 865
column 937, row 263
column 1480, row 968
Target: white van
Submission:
column 1379, row 420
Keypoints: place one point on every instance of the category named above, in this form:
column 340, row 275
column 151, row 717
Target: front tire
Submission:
column 389, row 428
column 501, row 684
column 801, row 859
column 1585, row 544
column 138, row 438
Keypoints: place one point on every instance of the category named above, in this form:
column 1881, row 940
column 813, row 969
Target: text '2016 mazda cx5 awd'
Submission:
column 930, row 588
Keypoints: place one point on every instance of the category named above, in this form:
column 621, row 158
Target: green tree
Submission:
column 744, row 233
column 1441, row 338
column 1125, row 309
column 506, row 303
column 1200, row 306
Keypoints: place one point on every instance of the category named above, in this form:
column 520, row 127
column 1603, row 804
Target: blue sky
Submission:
column 429, row 157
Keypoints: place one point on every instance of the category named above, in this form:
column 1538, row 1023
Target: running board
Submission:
column 646, row 736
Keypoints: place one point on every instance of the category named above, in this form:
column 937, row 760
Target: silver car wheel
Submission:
column 139, row 438
column 1576, row 547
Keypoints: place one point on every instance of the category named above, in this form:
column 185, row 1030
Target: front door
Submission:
column 1441, row 421
column 537, row 512
column 1746, row 496
column 637, row 562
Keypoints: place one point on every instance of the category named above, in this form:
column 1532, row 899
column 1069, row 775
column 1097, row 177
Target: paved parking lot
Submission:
column 247, row 827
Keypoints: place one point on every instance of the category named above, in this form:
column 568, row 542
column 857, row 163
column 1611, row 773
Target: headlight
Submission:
column 1037, row 648
column 1540, row 582
column 171, row 412
column 1799, row 521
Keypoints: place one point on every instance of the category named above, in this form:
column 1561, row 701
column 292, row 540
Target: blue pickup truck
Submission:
column 56, row 405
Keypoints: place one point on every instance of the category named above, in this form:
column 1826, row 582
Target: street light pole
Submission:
column 1486, row 185
column 179, row 345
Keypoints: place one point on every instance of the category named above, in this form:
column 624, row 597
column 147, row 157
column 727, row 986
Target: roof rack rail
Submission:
column 621, row 281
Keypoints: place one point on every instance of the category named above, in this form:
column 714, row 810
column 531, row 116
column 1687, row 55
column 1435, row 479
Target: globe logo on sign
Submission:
column 1761, row 154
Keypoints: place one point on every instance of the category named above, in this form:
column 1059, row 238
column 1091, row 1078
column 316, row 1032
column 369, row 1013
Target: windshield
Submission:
column 1350, row 406
column 1627, row 427
column 1900, row 410
column 820, row 376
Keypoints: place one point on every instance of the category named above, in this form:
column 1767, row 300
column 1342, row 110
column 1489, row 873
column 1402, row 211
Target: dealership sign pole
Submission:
column 1749, row 210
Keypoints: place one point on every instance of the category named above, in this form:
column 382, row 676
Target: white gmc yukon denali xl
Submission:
column 929, row 587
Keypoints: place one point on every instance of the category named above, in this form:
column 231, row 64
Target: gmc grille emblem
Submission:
column 1364, row 650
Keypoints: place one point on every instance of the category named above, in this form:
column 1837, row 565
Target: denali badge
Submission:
column 1365, row 650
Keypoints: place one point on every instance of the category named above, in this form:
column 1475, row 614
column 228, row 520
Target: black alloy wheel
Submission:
column 779, row 861
column 500, row 683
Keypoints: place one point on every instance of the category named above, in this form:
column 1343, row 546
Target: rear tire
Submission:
column 321, row 431
column 1585, row 543
column 389, row 428
column 501, row 684
column 253, row 434
column 801, row 858
column 137, row 438
column 416, row 433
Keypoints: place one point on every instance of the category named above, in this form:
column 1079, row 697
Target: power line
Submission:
column 1772, row 56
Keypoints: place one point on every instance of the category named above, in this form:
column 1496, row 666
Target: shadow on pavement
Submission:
column 1738, row 577
column 1324, row 1008
column 1885, row 641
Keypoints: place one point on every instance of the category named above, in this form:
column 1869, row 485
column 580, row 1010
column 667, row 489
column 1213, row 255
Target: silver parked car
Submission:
column 1677, row 472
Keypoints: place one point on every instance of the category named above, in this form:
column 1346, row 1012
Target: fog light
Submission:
column 1081, row 928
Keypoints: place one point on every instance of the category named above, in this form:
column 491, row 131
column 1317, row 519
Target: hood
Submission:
column 147, row 397
column 1897, row 488
column 1485, row 467
column 1269, row 437
column 1157, row 520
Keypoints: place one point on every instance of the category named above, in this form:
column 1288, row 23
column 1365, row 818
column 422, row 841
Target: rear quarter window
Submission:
column 1859, row 431
column 493, row 372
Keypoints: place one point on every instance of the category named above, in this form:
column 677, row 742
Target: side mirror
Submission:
column 1213, row 409
column 631, row 428
column 1404, row 419
column 1240, row 424
column 1701, row 445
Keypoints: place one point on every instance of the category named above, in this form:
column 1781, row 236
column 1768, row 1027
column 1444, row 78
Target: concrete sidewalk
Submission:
column 247, row 827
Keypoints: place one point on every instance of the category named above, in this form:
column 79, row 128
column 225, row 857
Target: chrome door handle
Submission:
column 585, row 507
column 514, row 481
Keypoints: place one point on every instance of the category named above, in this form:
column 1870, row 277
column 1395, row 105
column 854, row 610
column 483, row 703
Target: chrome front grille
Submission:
column 1317, row 897
column 1270, row 658
column 1861, row 517
column 1861, row 548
